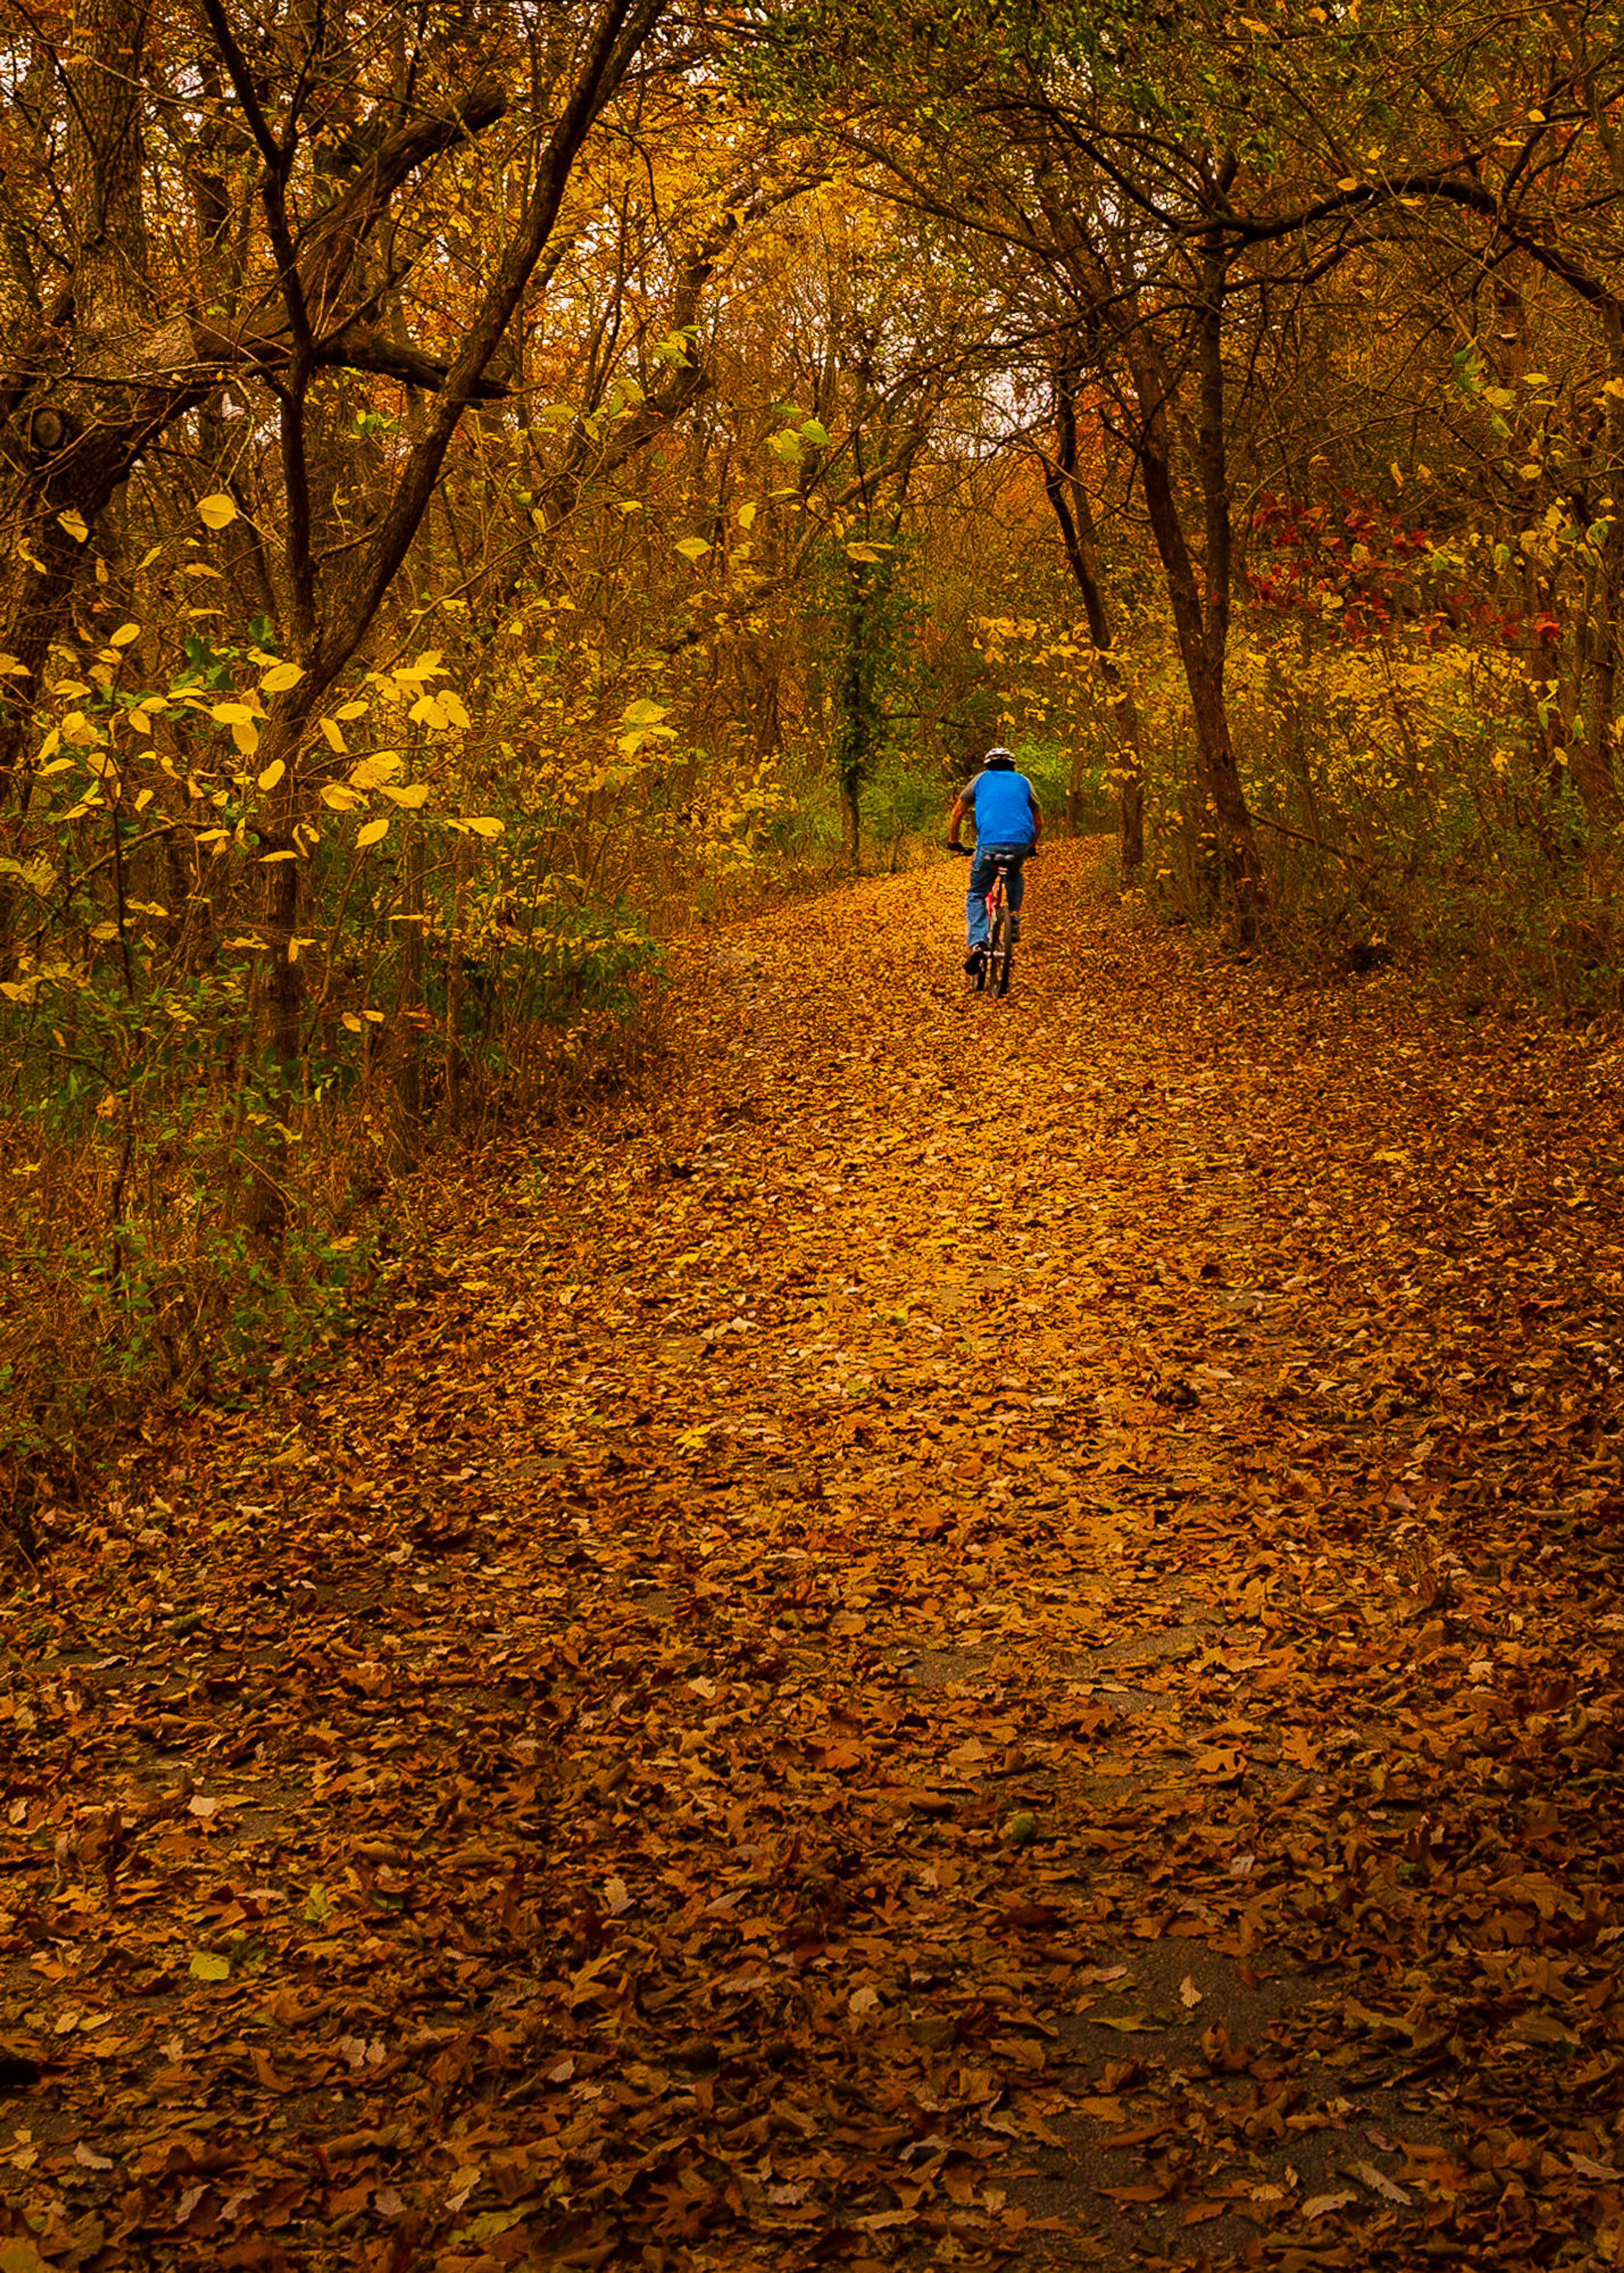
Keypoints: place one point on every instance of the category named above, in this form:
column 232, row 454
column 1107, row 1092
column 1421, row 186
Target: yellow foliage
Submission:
column 373, row 772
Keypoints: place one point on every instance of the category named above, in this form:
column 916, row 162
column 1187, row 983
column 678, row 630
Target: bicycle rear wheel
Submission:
column 998, row 953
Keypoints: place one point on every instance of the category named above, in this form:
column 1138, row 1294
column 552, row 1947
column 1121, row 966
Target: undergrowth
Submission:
column 136, row 1270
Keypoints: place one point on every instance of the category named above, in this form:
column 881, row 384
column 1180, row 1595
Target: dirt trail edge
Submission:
column 985, row 1633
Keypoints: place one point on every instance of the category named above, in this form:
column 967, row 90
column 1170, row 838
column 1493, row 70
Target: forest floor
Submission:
column 972, row 1634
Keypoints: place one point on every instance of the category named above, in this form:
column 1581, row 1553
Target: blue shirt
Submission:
column 1001, row 801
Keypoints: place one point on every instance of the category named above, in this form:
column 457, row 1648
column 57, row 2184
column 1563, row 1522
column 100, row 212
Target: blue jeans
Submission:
column 981, row 873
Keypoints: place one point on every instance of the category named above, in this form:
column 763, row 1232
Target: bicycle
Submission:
column 997, row 957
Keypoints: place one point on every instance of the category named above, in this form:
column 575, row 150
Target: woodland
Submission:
column 673, row 1595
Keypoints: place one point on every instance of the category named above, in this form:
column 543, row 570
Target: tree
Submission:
column 130, row 355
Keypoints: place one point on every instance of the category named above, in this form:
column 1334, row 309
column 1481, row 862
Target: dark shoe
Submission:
column 974, row 961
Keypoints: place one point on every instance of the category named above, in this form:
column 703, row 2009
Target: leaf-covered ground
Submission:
column 974, row 1633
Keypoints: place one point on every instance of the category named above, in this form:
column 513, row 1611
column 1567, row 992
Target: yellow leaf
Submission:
column 353, row 1024
column 747, row 515
column 485, row 825
column 217, row 511
column 232, row 714
column 125, row 632
column 351, row 710
column 691, row 548
column 411, row 797
column 334, row 739
column 369, row 833
column 338, row 799
column 9, row 667
column 455, row 710
column 273, row 774
column 426, row 711
column 643, row 713
column 76, row 525
column 280, row 678
column 373, row 772
column 1352, row 181
column 245, row 734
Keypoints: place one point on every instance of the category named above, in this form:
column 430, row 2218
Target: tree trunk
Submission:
column 1202, row 631
column 455, row 982
column 406, row 1119
column 851, row 824
column 86, row 415
column 1075, row 517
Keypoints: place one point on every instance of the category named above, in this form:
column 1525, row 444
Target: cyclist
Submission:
column 1009, row 822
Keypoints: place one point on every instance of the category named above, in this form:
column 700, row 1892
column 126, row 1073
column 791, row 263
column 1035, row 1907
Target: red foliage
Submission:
column 1349, row 548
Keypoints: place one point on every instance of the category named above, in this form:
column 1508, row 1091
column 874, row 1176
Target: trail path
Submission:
column 973, row 1634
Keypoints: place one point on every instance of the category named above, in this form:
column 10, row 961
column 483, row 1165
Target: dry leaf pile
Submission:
column 979, row 1633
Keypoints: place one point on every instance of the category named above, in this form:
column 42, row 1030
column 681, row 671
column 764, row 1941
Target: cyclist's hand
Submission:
column 962, row 850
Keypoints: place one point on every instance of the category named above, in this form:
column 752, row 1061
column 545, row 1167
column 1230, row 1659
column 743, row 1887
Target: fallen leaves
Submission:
column 869, row 1730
